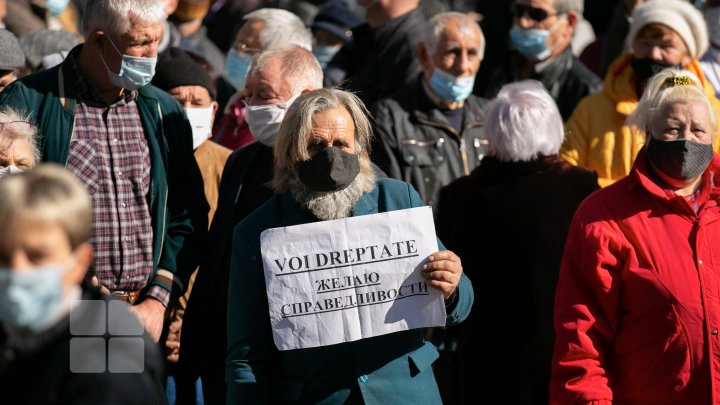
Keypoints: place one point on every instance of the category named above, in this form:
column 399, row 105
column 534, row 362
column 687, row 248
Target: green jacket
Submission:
column 176, row 199
column 387, row 369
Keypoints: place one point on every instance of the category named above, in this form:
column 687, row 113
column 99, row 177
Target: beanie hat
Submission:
column 176, row 68
column 11, row 54
column 336, row 17
column 39, row 44
column 678, row 15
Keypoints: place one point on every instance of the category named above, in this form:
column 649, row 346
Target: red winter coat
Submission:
column 637, row 307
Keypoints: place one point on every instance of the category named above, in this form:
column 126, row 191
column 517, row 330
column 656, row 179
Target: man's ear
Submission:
column 83, row 260
column 573, row 18
column 422, row 54
column 214, row 106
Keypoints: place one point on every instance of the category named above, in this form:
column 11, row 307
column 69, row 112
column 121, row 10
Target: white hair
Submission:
column 523, row 123
column 11, row 133
column 566, row 6
column 282, row 28
column 113, row 16
column 466, row 25
column 300, row 68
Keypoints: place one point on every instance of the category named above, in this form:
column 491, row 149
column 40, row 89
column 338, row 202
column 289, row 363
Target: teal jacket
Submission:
column 176, row 198
column 392, row 368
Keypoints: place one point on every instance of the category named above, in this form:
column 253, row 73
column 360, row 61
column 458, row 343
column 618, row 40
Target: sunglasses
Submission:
column 535, row 14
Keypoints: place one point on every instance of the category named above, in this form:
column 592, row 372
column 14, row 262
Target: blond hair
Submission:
column 295, row 132
column 670, row 86
column 47, row 194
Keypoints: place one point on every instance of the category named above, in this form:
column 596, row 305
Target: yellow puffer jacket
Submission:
column 596, row 136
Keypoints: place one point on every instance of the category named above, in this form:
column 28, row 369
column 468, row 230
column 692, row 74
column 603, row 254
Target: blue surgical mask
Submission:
column 55, row 7
column 8, row 170
column 237, row 67
column 31, row 299
column 531, row 42
column 135, row 71
column 450, row 88
column 324, row 54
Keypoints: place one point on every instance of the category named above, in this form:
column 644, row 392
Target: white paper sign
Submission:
column 338, row 281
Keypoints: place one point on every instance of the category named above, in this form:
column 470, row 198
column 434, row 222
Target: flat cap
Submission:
column 11, row 54
column 176, row 68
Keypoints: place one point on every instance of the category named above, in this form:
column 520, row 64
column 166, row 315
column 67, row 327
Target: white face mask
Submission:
column 201, row 120
column 264, row 120
column 6, row 171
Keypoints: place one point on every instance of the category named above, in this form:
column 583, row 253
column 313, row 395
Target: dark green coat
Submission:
column 176, row 199
column 392, row 368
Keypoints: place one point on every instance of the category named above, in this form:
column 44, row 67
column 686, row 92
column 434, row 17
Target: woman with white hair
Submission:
column 511, row 214
column 18, row 146
column 637, row 311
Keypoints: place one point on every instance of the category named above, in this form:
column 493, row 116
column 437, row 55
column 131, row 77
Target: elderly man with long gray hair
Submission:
column 512, row 215
column 323, row 172
column 130, row 145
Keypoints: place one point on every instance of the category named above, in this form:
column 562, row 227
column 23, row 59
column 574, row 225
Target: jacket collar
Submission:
column 619, row 83
column 549, row 72
column 292, row 214
column 709, row 185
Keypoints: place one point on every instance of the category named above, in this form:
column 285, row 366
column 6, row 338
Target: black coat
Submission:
column 508, row 223
column 36, row 368
column 566, row 79
column 379, row 61
column 243, row 188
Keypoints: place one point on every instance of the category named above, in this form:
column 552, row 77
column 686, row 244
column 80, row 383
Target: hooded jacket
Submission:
column 596, row 136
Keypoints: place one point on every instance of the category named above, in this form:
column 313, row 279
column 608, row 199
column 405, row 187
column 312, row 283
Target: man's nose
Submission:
column 463, row 66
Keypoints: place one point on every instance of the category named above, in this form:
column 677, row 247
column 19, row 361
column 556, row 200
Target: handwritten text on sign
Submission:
column 338, row 281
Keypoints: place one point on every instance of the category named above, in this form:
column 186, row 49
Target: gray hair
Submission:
column 113, row 16
column 566, row 6
column 25, row 133
column 670, row 86
column 295, row 132
column 523, row 123
column 47, row 194
column 466, row 25
column 282, row 28
column 300, row 68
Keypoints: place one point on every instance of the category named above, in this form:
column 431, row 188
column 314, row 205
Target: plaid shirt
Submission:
column 110, row 155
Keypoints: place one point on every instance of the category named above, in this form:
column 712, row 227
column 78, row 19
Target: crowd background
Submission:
column 503, row 115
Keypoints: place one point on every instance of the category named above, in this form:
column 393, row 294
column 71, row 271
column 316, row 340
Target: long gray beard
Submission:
column 326, row 205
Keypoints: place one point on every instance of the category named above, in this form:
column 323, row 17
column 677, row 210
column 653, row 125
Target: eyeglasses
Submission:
column 535, row 14
column 16, row 126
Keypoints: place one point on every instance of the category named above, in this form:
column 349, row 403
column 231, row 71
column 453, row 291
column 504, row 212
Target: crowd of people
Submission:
column 567, row 149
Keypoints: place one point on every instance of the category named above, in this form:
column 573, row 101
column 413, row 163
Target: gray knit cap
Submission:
column 11, row 54
column 39, row 44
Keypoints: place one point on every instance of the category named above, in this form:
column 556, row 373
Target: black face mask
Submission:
column 329, row 170
column 646, row 68
column 680, row 160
